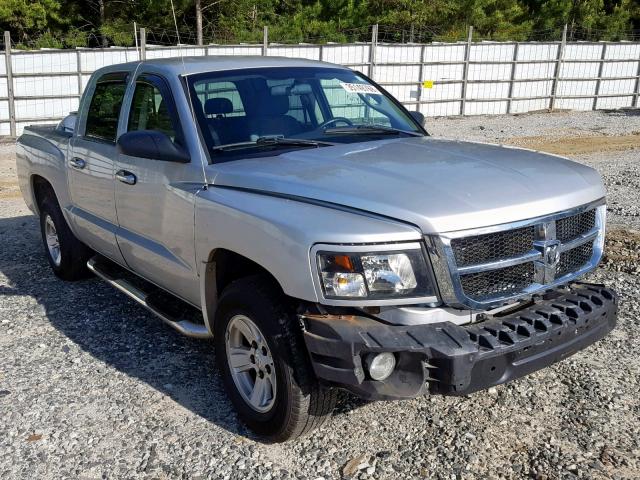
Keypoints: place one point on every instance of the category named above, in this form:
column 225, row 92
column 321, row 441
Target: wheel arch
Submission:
column 223, row 267
column 40, row 189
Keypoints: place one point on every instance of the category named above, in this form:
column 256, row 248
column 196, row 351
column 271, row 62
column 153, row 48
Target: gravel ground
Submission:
column 92, row 386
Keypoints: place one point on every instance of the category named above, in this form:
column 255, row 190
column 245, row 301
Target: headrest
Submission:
column 298, row 89
column 274, row 105
column 216, row 106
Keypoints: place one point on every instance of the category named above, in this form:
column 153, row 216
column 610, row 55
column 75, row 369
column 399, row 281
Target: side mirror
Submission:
column 418, row 117
column 151, row 144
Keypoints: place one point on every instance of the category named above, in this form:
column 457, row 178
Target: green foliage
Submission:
column 73, row 23
column 25, row 16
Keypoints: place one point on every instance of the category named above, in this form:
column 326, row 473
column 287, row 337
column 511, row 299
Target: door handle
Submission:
column 77, row 163
column 126, row 177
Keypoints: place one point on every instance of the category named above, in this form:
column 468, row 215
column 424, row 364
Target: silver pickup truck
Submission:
column 300, row 216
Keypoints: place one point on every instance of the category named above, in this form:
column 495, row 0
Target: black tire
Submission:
column 74, row 254
column 301, row 404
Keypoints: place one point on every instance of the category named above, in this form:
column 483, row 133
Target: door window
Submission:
column 150, row 111
column 104, row 109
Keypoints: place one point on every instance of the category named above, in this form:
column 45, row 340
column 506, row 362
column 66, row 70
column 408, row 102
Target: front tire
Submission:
column 66, row 254
column 264, row 365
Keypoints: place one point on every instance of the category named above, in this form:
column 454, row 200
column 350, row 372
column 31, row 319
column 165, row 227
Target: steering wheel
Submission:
column 333, row 120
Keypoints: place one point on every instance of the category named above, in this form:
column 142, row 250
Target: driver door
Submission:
column 155, row 198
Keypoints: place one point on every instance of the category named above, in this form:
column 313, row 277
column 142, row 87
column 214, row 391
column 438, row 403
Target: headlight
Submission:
column 374, row 275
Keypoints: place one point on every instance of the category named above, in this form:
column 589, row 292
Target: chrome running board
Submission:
column 109, row 273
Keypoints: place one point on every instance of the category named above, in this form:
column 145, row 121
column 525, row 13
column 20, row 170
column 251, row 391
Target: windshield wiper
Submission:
column 270, row 140
column 372, row 129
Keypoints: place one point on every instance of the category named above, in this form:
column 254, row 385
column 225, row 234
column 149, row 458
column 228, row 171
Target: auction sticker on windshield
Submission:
column 360, row 88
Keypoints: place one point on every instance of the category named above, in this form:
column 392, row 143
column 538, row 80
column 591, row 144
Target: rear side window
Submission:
column 104, row 109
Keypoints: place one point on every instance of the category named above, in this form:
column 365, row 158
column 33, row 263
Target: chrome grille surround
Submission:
column 492, row 266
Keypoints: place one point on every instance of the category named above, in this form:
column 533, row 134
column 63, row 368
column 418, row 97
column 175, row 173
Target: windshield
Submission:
column 245, row 110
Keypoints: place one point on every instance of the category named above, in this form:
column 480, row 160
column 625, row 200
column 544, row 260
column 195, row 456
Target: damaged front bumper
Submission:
column 444, row 358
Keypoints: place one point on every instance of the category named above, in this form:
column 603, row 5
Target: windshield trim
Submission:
column 370, row 129
column 273, row 141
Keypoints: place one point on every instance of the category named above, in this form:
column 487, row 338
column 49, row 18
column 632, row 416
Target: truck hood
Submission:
column 438, row 185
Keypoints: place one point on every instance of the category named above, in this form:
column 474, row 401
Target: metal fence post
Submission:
column 265, row 40
column 637, row 87
column 600, row 69
column 143, row 44
column 9, row 67
column 79, row 63
column 372, row 50
column 465, row 73
column 556, row 75
column 513, row 76
column 420, row 75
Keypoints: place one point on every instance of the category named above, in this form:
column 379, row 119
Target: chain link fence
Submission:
column 438, row 76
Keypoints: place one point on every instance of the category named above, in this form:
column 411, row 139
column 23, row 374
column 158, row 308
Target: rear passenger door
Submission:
column 156, row 209
column 91, row 164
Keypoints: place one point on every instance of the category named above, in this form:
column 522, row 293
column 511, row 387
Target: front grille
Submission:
column 490, row 268
column 576, row 225
column 505, row 281
column 492, row 246
column 574, row 259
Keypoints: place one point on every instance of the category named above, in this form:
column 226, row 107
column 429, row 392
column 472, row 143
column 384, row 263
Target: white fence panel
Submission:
column 615, row 102
column 537, row 51
column 505, row 77
column 34, row 108
column 346, row 54
column 36, row 87
column 397, row 73
column 233, row 50
column 398, row 54
column 53, row 61
column 310, row 53
column 491, row 52
column 91, row 60
column 522, row 106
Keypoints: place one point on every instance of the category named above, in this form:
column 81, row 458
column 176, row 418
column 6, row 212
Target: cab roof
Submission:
column 192, row 65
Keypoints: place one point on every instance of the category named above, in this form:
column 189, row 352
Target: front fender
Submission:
column 278, row 233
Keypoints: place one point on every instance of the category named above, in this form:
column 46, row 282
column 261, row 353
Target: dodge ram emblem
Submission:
column 551, row 253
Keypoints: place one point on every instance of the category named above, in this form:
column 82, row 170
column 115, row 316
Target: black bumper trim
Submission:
column 448, row 359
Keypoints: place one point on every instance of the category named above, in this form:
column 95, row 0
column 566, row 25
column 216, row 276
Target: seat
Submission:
column 219, row 107
column 226, row 129
column 271, row 119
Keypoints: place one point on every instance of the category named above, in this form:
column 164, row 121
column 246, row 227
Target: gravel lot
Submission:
column 92, row 386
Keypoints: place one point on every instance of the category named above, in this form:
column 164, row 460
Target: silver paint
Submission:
column 275, row 210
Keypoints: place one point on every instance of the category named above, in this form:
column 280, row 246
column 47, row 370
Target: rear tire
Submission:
column 66, row 254
column 299, row 404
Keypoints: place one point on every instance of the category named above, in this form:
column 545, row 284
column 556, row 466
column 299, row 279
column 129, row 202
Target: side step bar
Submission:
column 186, row 327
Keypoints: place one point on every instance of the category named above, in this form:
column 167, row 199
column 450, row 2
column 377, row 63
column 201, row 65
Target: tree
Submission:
column 27, row 18
column 107, row 22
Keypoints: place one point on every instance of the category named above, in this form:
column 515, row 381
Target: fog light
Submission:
column 380, row 365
